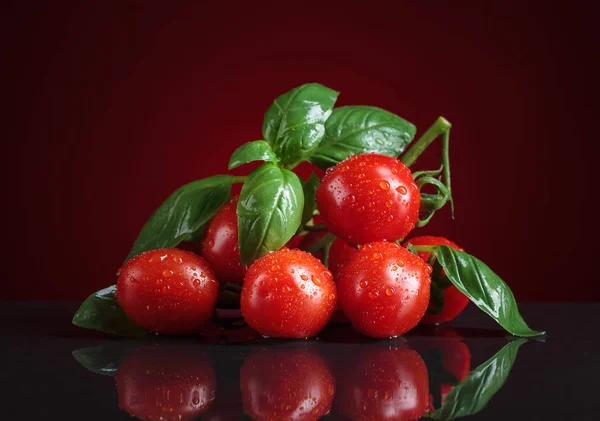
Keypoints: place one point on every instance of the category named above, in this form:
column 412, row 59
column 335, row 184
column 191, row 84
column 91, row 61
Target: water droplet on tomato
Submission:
column 363, row 283
column 394, row 170
column 328, row 275
column 351, row 198
column 390, row 218
column 400, row 263
column 389, row 204
column 384, row 185
column 177, row 259
column 361, row 164
column 211, row 243
column 196, row 282
column 401, row 190
column 302, row 286
column 389, row 291
column 304, row 277
column 287, row 288
column 315, row 280
column 332, row 297
column 167, row 273
column 377, row 255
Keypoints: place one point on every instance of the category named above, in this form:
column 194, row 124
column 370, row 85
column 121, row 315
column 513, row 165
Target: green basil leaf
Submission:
column 269, row 211
column 101, row 311
column 474, row 393
column 295, row 123
column 259, row 150
column 484, row 288
column 358, row 129
column 104, row 359
column 183, row 214
column 310, row 202
column 439, row 282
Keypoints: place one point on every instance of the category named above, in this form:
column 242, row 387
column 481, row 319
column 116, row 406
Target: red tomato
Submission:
column 384, row 289
column 166, row 383
column 368, row 198
column 454, row 300
column 339, row 253
column 383, row 384
column 168, row 291
column 286, row 384
column 288, row 294
column 220, row 244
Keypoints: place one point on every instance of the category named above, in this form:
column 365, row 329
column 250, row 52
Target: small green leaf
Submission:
column 358, row 129
column 101, row 311
column 484, row 288
column 310, row 203
column 295, row 123
column 474, row 393
column 269, row 211
column 104, row 359
column 183, row 214
column 258, row 150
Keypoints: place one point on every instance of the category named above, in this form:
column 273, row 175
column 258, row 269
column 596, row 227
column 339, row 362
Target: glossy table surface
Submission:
column 53, row 370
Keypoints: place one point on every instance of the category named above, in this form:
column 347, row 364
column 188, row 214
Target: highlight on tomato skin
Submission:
column 166, row 383
column 454, row 300
column 384, row 290
column 382, row 383
column 220, row 244
column 288, row 294
column 368, row 198
column 168, row 291
column 286, row 384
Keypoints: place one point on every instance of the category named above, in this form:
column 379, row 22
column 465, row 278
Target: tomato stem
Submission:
column 439, row 127
column 428, row 249
column 318, row 227
column 327, row 239
column 239, row 178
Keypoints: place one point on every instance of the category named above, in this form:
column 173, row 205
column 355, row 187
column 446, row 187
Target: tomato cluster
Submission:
column 367, row 201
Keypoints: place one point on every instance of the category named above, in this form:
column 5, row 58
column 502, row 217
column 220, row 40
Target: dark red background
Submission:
column 113, row 105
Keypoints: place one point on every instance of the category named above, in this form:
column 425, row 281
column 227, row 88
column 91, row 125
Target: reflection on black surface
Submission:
column 403, row 379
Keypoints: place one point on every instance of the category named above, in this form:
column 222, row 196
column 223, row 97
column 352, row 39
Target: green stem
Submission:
column 239, row 178
column 440, row 126
column 327, row 239
column 318, row 227
column 429, row 249
column 446, row 166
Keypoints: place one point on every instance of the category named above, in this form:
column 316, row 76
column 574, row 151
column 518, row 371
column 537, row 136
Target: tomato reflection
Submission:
column 166, row 383
column 286, row 384
column 382, row 383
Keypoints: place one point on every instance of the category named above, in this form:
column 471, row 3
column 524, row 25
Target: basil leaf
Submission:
column 104, row 359
column 310, row 202
column 101, row 311
column 478, row 282
column 183, row 214
column 474, row 393
column 355, row 129
column 269, row 211
column 439, row 282
column 258, row 150
column 295, row 123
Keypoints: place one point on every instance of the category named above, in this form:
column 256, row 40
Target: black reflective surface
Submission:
column 53, row 370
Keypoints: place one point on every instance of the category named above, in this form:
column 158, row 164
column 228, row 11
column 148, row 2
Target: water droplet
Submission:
column 302, row 286
column 196, row 282
column 328, row 275
column 389, row 291
column 361, row 164
column 211, row 243
column 377, row 255
column 332, row 297
column 315, row 280
column 196, row 398
column 148, row 308
column 167, row 273
column 390, row 218
column 363, row 283
column 373, row 294
column 159, row 281
column 287, row 288
column 394, row 170
column 384, row 185
column 401, row 190
column 202, row 275
column 351, row 198
column 389, row 204
column 400, row 263
column 394, row 268
column 177, row 259
column 149, row 261
column 304, row 277
column 387, row 395
column 428, row 268
column 163, row 257
column 275, row 268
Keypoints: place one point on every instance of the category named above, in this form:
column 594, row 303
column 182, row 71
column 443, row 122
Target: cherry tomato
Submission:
column 166, row 383
column 384, row 289
column 286, row 384
column 383, row 384
column 168, row 291
column 454, row 300
column 220, row 244
column 339, row 253
column 368, row 198
column 288, row 294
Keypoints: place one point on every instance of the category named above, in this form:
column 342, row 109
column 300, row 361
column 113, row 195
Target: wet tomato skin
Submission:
column 220, row 244
column 384, row 289
column 166, row 383
column 286, row 384
column 368, row 198
column 288, row 294
column 454, row 300
column 383, row 384
column 168, row 291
